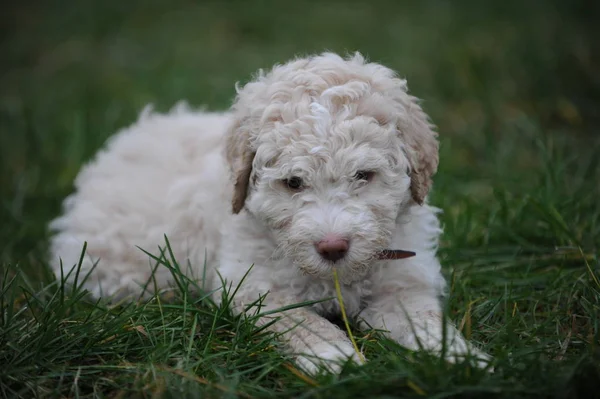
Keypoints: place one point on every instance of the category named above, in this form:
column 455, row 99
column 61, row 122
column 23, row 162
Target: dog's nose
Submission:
column 332, row 247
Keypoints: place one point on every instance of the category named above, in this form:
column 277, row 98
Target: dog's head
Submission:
column 327, row 152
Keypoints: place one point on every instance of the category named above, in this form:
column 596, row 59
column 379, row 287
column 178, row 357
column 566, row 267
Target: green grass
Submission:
column 514, row 89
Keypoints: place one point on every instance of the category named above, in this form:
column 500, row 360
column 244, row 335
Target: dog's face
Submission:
column 330, row 192
column 327, row 153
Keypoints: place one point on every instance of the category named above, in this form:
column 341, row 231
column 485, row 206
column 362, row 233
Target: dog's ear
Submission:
column 239, row 156
column 422, row 148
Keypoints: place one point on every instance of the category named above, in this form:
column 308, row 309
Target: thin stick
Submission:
column 338, row 290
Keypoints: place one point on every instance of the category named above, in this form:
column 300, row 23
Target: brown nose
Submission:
column 332, row 247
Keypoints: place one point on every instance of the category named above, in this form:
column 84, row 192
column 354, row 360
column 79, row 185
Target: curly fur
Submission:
column 320, row 118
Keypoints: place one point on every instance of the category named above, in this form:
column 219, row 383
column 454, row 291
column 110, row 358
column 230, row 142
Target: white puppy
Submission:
column 326, row 161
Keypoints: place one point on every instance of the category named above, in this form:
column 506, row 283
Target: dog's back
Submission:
column 165, row 174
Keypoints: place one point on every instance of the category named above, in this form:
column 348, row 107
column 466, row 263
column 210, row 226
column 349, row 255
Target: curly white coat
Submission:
column 321, row 119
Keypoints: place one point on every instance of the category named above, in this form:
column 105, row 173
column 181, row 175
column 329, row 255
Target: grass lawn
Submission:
column 514, row 88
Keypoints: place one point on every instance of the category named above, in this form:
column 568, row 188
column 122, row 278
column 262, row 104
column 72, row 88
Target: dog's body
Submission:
column 331, row 162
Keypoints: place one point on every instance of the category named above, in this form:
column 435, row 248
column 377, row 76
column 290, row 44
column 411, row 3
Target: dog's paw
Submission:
column 478, row 359
column 330, row 356
column 461, row 351
column 455, row 350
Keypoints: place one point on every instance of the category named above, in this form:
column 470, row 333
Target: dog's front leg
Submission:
column 314, row 340
column 413, row 318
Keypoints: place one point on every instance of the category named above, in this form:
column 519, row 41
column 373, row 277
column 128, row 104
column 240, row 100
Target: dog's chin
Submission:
column 348, row 271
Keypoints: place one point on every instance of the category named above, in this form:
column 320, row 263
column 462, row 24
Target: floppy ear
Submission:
column 422, row 148
column 239, row 156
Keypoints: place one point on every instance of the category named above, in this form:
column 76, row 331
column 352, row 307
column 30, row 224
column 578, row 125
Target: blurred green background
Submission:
column 513, row 86
column 497, row 78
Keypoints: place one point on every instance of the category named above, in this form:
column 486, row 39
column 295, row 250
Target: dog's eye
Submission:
column 364, row 175
column 294, row 183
